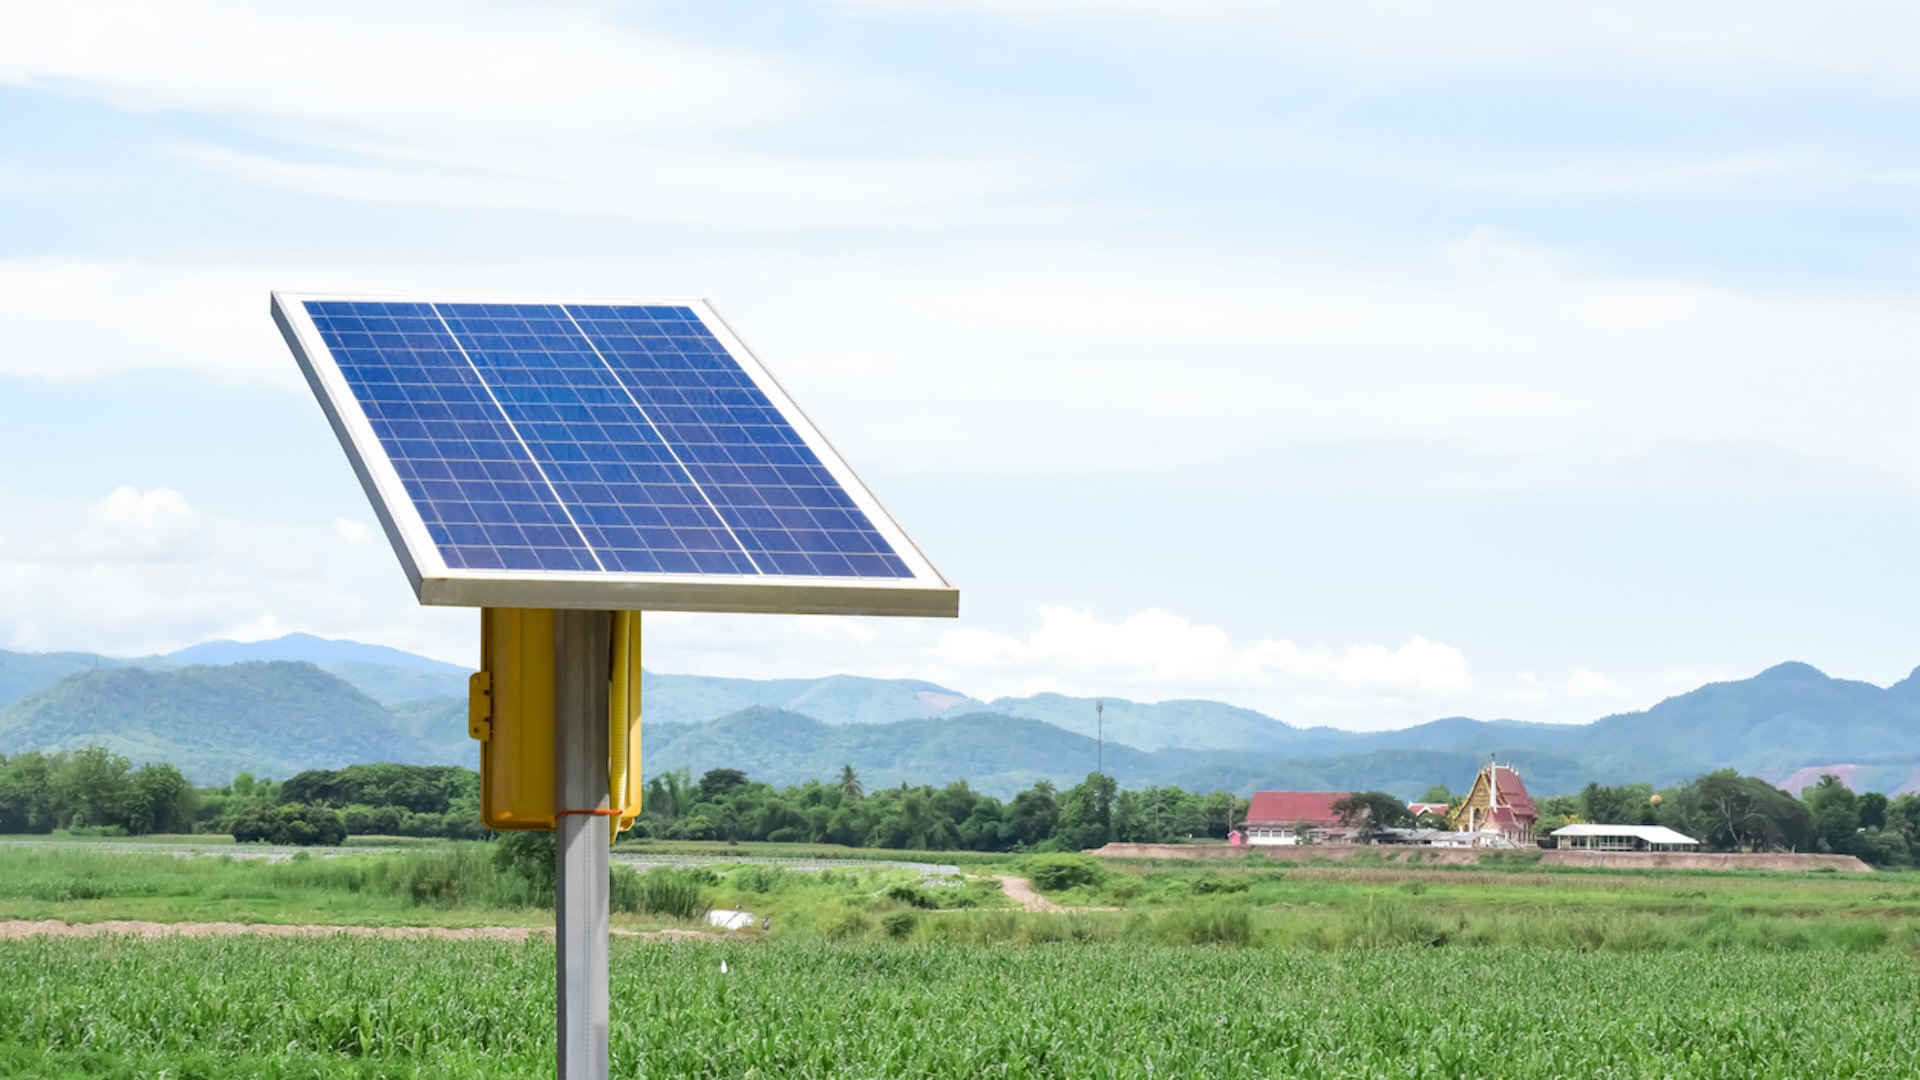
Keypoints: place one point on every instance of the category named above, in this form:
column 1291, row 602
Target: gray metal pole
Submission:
column 581, row 658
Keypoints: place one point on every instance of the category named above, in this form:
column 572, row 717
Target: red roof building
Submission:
column 1292, row 817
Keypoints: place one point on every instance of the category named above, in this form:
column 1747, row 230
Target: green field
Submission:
column 1248, row 968
column 356, row 1008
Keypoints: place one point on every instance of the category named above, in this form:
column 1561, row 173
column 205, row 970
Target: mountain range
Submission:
column 276, row 707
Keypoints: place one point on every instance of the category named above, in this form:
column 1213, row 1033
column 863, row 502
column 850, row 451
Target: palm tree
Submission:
column 850, row 783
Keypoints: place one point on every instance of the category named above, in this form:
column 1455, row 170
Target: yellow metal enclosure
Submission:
column 510, row 712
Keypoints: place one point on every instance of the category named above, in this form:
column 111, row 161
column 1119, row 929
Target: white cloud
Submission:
column 1050, row 361
column 353, row 532
column 464, row 103
column 681, row 186
column 419, row 72
column 1152, row 655
column 131, row 525
column 139, row 572
column 1102, row 360
column 70, row 318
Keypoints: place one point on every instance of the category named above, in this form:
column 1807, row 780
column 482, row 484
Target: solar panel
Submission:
column 598, row 454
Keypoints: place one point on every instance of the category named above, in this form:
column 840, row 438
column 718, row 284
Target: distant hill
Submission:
column 268, row 717
column 1782, row 719
column 318, row 651
column 388, row 684
column 1002, row 755
column 834, row 699
column 1188, row 725
column 23, row 673
column 1786, row 723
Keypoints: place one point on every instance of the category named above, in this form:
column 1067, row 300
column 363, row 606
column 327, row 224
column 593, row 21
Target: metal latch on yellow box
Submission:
column 480, row 705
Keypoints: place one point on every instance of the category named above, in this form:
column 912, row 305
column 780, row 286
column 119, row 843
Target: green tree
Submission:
column 93, row 787
column 27, row 802
column 715, row 784
column 1556, row 811
column 160, row 800
column 668, row 795
column 1836, row 814
column 1371, row 812
column 302, row 824
column 1730, row 812
column 1032, row 816
column 1604, row 805
column 1873, row 810
column 849, row 783
column 1903, row 817
column 1086, row 814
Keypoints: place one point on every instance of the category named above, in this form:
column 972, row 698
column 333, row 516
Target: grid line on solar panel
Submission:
column 455, row 456
column 759, row 473
column 654, row 448
column 644, row 513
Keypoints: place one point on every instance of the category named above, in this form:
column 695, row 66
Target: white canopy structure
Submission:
column 1623, row 838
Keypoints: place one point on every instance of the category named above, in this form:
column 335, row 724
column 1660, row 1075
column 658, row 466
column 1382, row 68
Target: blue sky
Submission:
column 1360, row 363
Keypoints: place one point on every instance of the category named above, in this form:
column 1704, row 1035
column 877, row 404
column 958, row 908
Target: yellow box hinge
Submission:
column 480, row 705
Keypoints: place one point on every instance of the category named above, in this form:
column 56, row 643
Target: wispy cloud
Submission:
column 450, row 102
column 1150, row 655
column 1009, row 358
column 1712, row 40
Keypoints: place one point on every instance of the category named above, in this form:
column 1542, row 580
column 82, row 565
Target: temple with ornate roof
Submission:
column 1497, row 810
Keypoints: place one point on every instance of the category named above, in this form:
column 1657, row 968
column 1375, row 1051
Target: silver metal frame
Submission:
column 926, row 593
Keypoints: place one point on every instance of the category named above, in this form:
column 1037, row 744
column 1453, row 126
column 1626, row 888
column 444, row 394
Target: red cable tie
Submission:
column 589, row 813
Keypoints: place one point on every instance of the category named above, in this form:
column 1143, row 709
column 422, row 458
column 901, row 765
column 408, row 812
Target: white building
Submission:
column 1622, row 838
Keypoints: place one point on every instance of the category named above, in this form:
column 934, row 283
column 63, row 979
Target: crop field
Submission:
column 1250, row 970
column 344, row 1007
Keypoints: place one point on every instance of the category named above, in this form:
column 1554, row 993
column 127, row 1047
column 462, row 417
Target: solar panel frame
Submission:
column 924, row 592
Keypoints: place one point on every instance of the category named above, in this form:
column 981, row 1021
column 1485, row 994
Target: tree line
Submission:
column 1729, row 812
column 96, row 791
column 724, row 804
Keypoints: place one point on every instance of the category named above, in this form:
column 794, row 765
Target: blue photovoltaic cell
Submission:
column 593, row 437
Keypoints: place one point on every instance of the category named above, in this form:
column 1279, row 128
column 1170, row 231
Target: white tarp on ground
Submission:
column 730, row 920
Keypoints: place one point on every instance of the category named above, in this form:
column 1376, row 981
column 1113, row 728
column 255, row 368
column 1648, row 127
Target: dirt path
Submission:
column 1020, row 891
column 23, row 928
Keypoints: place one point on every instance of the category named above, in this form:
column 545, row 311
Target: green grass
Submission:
column 211, row 1008
column 451, row 883
column 762, row 850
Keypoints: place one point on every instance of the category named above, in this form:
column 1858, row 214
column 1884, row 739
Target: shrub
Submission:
column 447, row 877
column 911, row 896
column 845, row 923
column 898, row 924
column 303, row 824
column 1210, row 884
column 758, row 878
column 528, row 856
column 667, row 892
column 1209, row 926
column 1053, row 873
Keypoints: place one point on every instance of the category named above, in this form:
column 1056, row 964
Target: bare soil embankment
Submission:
column 1408, row 855
column 1706, row 860
column 1429, row 856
